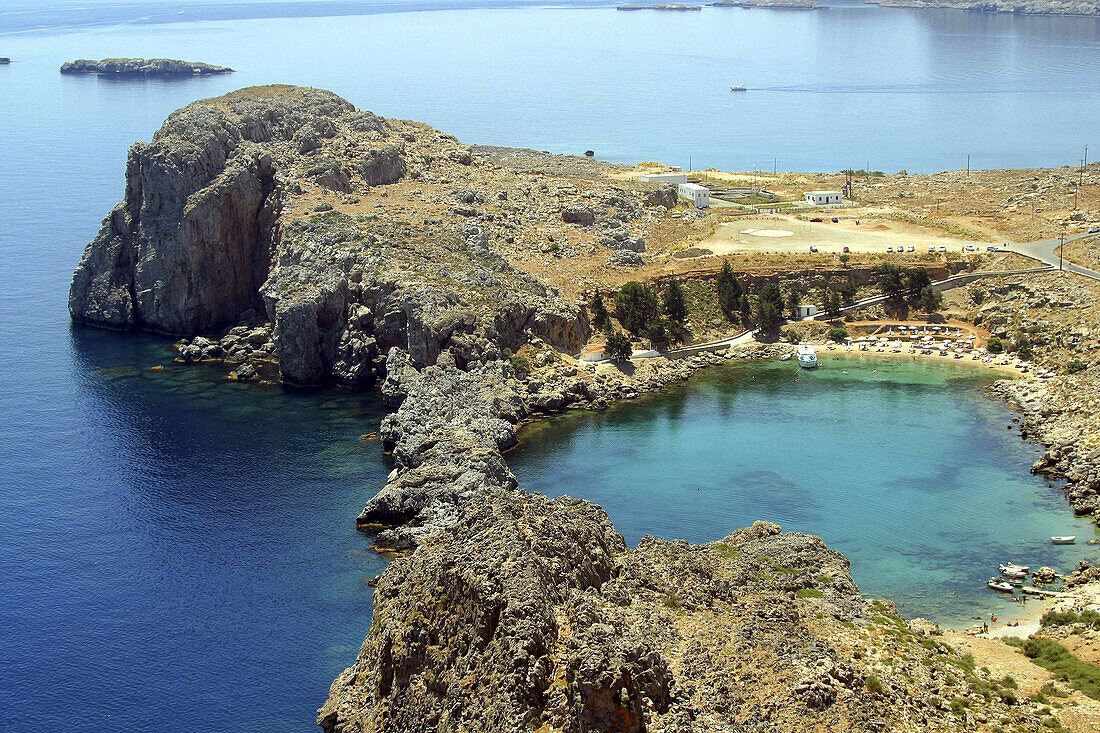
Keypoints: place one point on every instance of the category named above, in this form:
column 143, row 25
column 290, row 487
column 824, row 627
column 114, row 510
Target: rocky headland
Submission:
column 281, row 229
column 1031, row 7
column 163, row 68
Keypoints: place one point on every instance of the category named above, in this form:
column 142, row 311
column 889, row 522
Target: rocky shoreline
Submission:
column 1028, row 7
column 146, row 68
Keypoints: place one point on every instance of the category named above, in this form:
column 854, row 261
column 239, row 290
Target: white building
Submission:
column 822, row 198
column 696, row 194
column 806, row 311
column 663, row 178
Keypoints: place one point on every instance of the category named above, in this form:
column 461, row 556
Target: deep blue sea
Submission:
column 178, row 552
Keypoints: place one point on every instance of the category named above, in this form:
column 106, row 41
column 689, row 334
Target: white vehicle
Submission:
column 932, row 248
column 943, row 248
column 889, row 249
column 970, row 248
column 912, row 248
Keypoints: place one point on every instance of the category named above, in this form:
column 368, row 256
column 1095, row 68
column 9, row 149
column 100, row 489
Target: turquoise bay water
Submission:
column 905, row 467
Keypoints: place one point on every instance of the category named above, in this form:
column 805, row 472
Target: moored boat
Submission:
column 1013, row 567
column 807, row 359
column 1013, row 574
column 786, row 357
column 1000, row 585
column 738, row 88
column 1067, row 540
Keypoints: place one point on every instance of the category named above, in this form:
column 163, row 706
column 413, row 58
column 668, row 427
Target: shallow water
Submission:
column 905, row 467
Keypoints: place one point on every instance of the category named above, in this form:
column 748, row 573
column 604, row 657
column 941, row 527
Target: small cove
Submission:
column 904, row 466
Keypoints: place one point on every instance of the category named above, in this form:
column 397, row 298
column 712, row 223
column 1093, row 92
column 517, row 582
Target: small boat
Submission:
column 1014, row 568
column 1013, row 574
column 786, row 357
column 807, row 359
column 738, row 88
column 1000, row 585
column 1067, row 540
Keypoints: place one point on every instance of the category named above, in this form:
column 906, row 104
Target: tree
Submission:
column 745, row 309
column 1023, row 348
column 769, row 308
column 618, row 346
column 891, row 282
column 930, row 299
column 675, row 307
column 794, row 300
column 730, row 291
column 917, row 280
column 637, row 307
column 599, row 312
column 844, row 258
column 995, row 345
column 658, row 334
column 836, row 334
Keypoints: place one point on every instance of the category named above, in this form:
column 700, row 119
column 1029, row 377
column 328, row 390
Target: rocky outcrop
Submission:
column 530, row 613
column 221, row 227
column 163, row 68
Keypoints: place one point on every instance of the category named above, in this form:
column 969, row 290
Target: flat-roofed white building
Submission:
column 822, row 198
column 696, row 194
column 663, row 178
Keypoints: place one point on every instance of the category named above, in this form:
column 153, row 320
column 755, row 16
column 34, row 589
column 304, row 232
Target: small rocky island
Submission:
column 143, row 68
column 4, row 60
column 281, row 226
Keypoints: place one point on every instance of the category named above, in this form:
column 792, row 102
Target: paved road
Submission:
column 1047, row 251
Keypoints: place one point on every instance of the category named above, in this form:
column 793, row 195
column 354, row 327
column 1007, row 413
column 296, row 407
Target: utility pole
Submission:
column 775, row 166
column 1061, row 244
column 968, row 165
column 1084, row 165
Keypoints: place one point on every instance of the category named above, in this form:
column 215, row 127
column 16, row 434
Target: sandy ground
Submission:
column 770, row 234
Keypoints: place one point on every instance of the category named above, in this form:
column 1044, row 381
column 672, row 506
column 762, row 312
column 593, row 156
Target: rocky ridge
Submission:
column 164, row 68
column 1031, row 7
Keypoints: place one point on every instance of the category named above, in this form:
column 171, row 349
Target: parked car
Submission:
column 970, row 248
column 911, row 248
column 1094, row 230
column 932, row 248
column 836, row 220
column 846, row 250
column 993, row 248
column 816, row 219
column 943, row 248
column 889, row 249
column 813, row 248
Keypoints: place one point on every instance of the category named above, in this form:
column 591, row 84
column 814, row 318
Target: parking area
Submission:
column 789, row 235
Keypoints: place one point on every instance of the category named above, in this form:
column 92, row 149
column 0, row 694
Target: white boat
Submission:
column 1068, row 540
column 1013, row 567
column 786, row 357
column 738, row 88
column 1013, row 574
column 1001, row 585
column 807, row 359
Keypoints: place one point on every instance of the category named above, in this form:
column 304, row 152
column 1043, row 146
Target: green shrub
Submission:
column 873, row 685
column 809, row 593
column 1076, row 366
column 1062, row 662
column 520, row 362
column 995, row 345
column 836, row 334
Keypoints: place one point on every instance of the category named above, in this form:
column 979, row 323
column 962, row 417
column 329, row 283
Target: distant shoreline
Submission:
column 56, row 20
